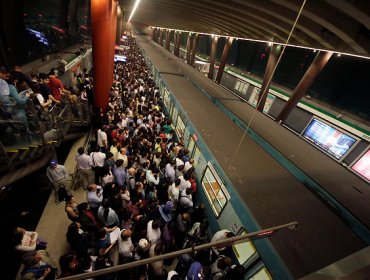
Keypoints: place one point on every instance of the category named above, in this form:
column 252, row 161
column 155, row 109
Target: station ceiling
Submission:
column 340, row 25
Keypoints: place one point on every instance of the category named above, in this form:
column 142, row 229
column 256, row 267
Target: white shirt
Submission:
column 153, row 235
column 83, row 161
column 97, row 158
column 125, row 247
column 173, row 192
column 184, row 184
column 102, row 138
column 170, row 172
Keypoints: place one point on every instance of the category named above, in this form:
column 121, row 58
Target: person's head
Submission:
column 189, row 191
column 158, row 249
column 81, row 150
column 43, row 78
column 119, row 162
column 53, row 163
column 53, row 72
column 156, row 224
column 4, row 73
column 123, row 150
column 30, row 259
column 102, row 232
column 92, row 187
column 229, row 234
column 70, row 199
column 82, row 207
column 224, row 263
column 125, row 234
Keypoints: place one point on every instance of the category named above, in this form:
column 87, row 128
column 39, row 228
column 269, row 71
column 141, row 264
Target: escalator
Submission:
column 26, row 146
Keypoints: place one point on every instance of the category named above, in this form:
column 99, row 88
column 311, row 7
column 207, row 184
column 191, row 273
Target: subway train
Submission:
column 255, row 173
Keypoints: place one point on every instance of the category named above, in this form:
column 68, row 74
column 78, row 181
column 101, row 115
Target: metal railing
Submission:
column 222, row 243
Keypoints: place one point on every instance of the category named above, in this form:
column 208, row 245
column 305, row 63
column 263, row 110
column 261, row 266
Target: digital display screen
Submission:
column 120, row 58
column 329, row 139
column 362, row 166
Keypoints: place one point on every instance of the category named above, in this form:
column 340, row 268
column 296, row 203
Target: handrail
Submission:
column 225, row 242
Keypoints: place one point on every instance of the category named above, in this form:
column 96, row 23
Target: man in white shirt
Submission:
column 122, row 155
column 97, row 159
column 170, row 171
column 59, row 177
column 84, row 164
column 186, row 198
column 102, row 138
column 154, row 232
column 125, row 246
column 94, row 197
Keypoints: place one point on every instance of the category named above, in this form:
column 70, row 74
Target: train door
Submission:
column 247, row 256
column 194, row 151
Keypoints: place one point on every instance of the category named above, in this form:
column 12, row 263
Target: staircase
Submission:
column 26, row 146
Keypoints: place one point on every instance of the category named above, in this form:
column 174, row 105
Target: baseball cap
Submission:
column 53, row 162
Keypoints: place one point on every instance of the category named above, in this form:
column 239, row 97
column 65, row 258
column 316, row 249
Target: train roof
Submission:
column 269, row 190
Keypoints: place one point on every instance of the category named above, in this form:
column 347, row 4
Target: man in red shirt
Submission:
column 56, row 86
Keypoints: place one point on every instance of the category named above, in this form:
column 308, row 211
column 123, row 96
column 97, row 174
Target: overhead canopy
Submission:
column 339, row 25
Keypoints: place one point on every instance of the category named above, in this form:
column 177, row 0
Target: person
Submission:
column 220, row 267
column 221, row 235
column 59, row 177
column 125, row 247
column 38, row 265
column 97, row 158
column 70, row 265
column 102, row 138
column 186, row 199
column 78, row 239
column 104, row 243
column 56, row 86
column 71, row 208
column 119, row 173
column 94, row 197
column 156, row 268
column 107, row 216
column 154, row 231
column 84, row 164
column 45, row 89
column 27, row 241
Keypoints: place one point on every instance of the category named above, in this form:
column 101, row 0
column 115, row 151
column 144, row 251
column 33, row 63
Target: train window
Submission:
column 214, row 192
column 196, row 155
column 191, row 146
column 262, row 274
column 244, row 251
column 166, row 98
column 170, row 110
column 174, row 116
column 180, row 127
column 241, row 86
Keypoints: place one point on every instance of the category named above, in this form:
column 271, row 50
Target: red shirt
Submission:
column 55, row 86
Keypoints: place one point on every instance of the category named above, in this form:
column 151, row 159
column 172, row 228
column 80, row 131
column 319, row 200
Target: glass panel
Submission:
column 180, row 127
column 196, row 155
column 262, row 274
column 174, row 116
column 213, row 192
column 243, row 251
column 191, row 146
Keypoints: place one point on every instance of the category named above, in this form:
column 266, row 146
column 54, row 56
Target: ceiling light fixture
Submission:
column 289, row 45
column 134, row 9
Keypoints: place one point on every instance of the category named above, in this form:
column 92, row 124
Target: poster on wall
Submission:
column 362, row 166
column 269, row 100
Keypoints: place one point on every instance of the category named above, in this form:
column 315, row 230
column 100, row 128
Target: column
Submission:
column 101, row 21
column 161, row 34
column 168, row 39
column 267, row 78
column 176, row 50
column 188, row 47
column 113, row 30
column 309, row 77
column 212, row 58
column 119, row 25
column 194, row 49
column 223, row 59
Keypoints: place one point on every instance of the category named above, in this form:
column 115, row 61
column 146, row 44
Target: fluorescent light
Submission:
column 134, row 9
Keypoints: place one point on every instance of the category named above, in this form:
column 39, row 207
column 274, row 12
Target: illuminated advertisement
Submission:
column 329, row 139
column 362, row 166
column 119, row 58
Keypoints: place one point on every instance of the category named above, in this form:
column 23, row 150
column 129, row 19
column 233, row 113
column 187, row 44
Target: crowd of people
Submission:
column 26, row 99
column 140, row 192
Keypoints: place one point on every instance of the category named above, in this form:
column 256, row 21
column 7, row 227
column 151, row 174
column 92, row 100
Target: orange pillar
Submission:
column 113, row 31
column 101, row 21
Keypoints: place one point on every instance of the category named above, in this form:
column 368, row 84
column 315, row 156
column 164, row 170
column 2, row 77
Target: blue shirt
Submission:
column 119, row 174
